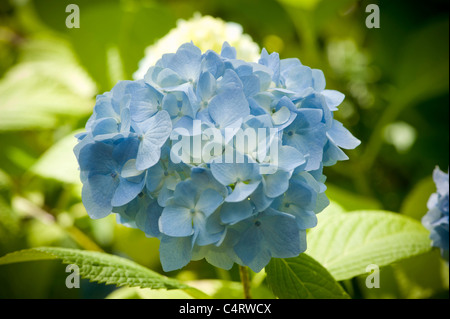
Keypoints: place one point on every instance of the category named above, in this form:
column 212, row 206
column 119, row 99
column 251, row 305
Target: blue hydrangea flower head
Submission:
column 436, row 219
column 219, row 158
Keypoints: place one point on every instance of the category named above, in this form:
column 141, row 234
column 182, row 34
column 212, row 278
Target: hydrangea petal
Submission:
column 147, row 219
column 175, row 252
column 341, row 136
column 228, row 51
column 208, row 202
column 242, row 191
column 231, row 213
column 276, row 184
column 289, row 158
column 156, row 131
column 228, row 107
column 186, row 62
column 185, row 194
column 333, row 98
column 318, row 80
column 105, row 126
column 126, row 191
column 176, row 221
column 96, row 158
column 271, row 234
column 97, row 194
column 206, row 86
column 155, row 175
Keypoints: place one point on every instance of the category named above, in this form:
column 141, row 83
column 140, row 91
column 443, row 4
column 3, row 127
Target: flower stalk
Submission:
column 245, row 279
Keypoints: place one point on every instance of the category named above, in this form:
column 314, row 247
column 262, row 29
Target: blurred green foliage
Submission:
column 395, row 80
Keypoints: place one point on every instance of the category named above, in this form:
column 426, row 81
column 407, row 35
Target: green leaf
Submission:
column 347, row 243
column 101, row 267
column 10, row 226
column 12, row 120
column 226, row 289
column 47, row 84
column 350, row 201
column 147, row 293
column 123, row 236
column 59, row 161
column 302, row 278
column 420, row 277
column 415, row 204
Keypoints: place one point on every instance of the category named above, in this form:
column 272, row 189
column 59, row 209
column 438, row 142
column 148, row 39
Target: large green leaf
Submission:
column 101, row 267
column 59, row 161
column 302, row 278
column 12, row 120
column 346, row 243
column 46, row 85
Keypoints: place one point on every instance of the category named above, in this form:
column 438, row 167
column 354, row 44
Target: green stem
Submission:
column 245, row 278
column 303, row 21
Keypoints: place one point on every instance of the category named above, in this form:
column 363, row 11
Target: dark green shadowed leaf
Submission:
column 302, row 278
column 415, row 203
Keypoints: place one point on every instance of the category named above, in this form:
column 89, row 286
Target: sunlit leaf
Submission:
column 46, row 84
column 146, row 293
column 225, row 289
column 59, row 162
column 345, row 244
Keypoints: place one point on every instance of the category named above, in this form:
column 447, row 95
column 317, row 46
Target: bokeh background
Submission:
column 395, row 78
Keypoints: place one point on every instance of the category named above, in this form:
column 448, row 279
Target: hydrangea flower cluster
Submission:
column 436, row 219
column 208, row 33
column 174, row 155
